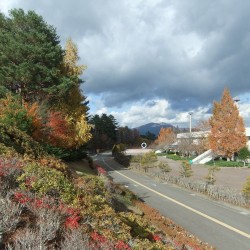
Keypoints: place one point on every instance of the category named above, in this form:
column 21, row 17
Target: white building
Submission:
column 201, row 135
column 248, row 137
column 196, row 136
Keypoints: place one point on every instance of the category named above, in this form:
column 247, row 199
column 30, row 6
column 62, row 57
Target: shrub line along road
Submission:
column 224, row 226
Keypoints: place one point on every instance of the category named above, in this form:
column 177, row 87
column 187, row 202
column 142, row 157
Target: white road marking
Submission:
column 183, row 205
column 193, row 194
column 244, row 213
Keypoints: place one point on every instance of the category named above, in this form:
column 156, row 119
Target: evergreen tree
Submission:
column 244, row 154
column 127, row 136
column 104, row 131
column 246, row 189
column 227, row 127
column 31, row 57
column 186, row 169
column 149, row 136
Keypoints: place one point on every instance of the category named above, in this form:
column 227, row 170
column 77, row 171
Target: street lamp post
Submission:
column 190, row 132
column 190, row 122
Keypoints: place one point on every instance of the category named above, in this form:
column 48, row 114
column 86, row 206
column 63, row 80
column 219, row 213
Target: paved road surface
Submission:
column 223, row 226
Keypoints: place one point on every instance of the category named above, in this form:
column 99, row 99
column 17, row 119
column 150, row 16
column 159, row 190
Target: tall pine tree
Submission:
column 104, row 132
column 31, row 57
column 227, row 127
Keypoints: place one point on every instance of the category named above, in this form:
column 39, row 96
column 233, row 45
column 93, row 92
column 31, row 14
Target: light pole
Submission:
column 190, row 122
column 190, row 132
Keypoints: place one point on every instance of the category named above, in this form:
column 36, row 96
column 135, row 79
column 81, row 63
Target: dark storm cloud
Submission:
column 184, row 51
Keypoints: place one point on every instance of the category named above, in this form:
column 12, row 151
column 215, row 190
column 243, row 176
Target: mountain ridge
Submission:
column 153, row 127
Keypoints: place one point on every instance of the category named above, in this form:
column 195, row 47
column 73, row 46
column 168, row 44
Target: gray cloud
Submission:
column 186, row 52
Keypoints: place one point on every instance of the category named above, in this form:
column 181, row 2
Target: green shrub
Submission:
column 118, row 148
column 186, row 169
column 6, row 150
column 246, row 189
column 222, row 163
column 66, row 154
column 123, row 159
column 211, row 174
column 243, row 155
column 3, row 92
column 149, row 157
column 12, row 113
column 165, row 168
column 135, row 159
column 20, row 141
column 47, row 181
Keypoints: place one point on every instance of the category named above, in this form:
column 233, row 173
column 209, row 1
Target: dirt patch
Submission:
column 81, row 167
column 227, row 176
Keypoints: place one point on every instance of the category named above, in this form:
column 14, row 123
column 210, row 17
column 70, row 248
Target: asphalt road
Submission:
column 221, row 225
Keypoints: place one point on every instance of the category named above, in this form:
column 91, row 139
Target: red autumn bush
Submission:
column 100, row 170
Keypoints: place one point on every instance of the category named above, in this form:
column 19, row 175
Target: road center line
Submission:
column 183, row 205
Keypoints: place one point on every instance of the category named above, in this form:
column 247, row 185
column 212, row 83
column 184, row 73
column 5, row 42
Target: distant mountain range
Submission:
column 153, row 128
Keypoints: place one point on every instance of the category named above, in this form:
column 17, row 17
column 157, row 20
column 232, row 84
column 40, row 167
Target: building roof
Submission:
column 202, row 134
column 198, row 134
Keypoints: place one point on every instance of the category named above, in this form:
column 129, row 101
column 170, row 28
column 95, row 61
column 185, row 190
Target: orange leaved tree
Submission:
column 227, row 127
column 166, row 137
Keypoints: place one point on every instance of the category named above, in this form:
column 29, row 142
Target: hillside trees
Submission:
column 227, row 127
column 40, row 83
column 12, row 113
column 31, row 57
column 128, row 136
column 104, row 131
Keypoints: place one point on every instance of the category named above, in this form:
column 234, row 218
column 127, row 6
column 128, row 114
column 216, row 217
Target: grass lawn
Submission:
column 224, row 163
column 178, row 157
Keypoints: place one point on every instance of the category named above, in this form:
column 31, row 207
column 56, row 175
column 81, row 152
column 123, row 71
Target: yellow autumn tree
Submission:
column 70, row 60
column 74, row 102
column 227, row 127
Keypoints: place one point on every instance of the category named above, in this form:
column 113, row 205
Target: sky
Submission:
column 155, row 60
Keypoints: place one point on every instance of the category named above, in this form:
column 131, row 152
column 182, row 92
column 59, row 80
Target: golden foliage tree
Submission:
column 70, row 60
column 166, row 137
column 82, row 130
column 74, row 103
column 227, row 127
